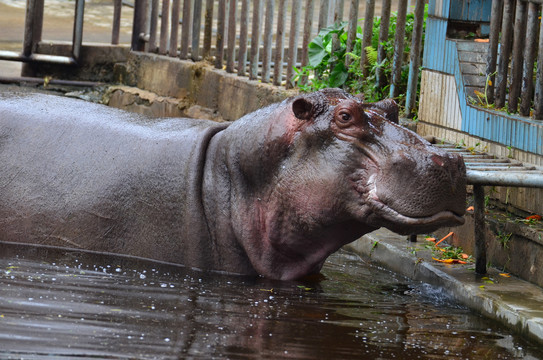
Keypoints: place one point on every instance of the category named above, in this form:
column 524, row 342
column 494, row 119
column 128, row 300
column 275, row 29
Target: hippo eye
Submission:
column 345, row 117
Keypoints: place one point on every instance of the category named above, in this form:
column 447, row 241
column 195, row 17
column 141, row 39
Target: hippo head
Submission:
column 330, row 168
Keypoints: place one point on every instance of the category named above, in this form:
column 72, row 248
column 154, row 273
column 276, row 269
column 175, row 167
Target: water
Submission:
column 65, row 305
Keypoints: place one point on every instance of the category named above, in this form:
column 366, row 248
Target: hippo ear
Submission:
column 303, row 109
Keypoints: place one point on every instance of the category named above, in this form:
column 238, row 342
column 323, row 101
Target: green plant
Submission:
column 504, row 239
column 330, row 65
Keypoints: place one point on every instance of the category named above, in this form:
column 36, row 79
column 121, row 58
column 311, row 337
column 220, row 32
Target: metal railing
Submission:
column 33, row 34
column 516, row 33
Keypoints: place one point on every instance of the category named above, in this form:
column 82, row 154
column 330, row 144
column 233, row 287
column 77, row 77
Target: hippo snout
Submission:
column 422, row 185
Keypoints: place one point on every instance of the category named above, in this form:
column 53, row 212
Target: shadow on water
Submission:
column 64, row 305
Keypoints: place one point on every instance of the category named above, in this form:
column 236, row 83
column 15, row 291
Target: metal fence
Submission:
column 516, row 33
column 266, row 39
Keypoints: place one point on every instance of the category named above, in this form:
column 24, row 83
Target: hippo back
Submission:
column 76, row 174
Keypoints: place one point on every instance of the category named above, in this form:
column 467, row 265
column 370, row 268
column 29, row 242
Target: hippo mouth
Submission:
column 386, row 216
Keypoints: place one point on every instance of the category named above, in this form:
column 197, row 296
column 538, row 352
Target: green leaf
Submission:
column 316, row 52
column 339, row 75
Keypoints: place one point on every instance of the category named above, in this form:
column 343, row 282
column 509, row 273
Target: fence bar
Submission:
column 164, row 24
column 185, row 29
column 280, row 37
column 383, row 37
column 505, row 52
column 154, row 25
column 138, row 25
column 293, row 41
column 208, row 27
column 231, row 45
column 414, row 59
column 196, row 25
column 308, row 25
column 175, row 28
column 116, row 29
column 479, row 218
column 505, row 178
column 351, row 34
column 518, row 53
column 323, row 14
column 538, row 93
column 255, row 39
column 33, row 26
column 529, row 59
column 367, row 35
column 494, row 40
column 242, row 56
column 338, row 13
column 398, row 49
column 78, row 28
column 268, row 37
column 221, row 20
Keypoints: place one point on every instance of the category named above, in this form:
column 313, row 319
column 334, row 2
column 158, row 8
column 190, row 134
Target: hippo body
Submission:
column 272, row 194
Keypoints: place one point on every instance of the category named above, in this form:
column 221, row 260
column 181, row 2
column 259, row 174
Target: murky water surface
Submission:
column 65, row 305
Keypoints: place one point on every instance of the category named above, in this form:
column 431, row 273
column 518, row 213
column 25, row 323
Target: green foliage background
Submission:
column 328, row 67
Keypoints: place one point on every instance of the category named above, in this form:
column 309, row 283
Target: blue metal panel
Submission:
column 439, row 8
column 434, row 48
column 442, row 55
column 470, row 10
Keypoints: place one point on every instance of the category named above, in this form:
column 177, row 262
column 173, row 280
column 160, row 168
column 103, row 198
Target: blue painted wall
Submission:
column 441, row 55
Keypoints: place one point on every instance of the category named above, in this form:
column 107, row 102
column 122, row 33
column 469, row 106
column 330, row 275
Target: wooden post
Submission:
column 308, row 25
column 154, row 25
column 323, row 14
column 293, row 41
column 353, row 23
column 138, row 26
column 116, row 29
column 538, row 99
column 479, row 219
column 231, row 44
column 243, row 24
column 255, row 39
column 221, row 20
column 414, row 59
column 279, row 38
column 505, row 52
column 383, row 37
column 175, row 28
column 208, row 28
column 495, row 26
column 164, row 24
column 196, row 30
column 268, row 37
column 398, row 49
column 526, row 93
column 518, row 54
column 367, row 33
column 185, row 29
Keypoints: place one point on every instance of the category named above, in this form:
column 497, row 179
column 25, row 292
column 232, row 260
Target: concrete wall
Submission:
column 226, row 95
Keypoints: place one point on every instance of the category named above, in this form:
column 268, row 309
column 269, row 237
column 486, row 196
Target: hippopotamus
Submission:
column 272, row 194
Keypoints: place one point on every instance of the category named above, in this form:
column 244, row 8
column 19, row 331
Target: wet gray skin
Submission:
column 273, row 194
column 58, row 304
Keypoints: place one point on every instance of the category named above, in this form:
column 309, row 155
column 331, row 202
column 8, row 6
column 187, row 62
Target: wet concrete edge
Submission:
column 513, row 302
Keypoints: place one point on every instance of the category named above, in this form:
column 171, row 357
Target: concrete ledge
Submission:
column 511, row 301
column 231, row 96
